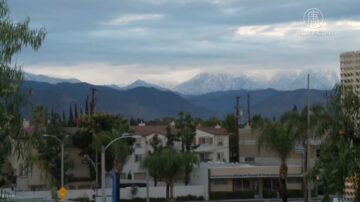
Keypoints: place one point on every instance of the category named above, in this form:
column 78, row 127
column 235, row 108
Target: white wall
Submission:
column 125, row 193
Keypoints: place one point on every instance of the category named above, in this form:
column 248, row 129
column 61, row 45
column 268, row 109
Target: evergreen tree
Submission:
column 63, row 117
column 76, row 111
column 71, row 117
column 87, row 105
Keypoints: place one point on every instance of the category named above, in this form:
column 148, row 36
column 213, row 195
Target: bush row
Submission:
column 231, row 195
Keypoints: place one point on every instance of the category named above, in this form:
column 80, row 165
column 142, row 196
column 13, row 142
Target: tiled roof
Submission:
column 161, row 129
column 214, row 131
column 149, row 130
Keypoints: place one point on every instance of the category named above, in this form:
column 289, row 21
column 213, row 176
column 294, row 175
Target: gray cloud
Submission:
column 187, row 33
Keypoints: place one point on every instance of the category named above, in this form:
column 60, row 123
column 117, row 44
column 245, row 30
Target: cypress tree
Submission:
column 63, row 116
column 76, row 111
column 87, row 105
column 71, row 117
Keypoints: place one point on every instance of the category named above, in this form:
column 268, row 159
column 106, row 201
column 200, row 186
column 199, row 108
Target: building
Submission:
column 213, row 146
column 350, row 70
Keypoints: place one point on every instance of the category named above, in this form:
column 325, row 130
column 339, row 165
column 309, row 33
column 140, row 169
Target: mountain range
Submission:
column 151, row 103
column 208, row 83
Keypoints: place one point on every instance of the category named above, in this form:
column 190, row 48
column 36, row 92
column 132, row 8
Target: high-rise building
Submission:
column 350, row 70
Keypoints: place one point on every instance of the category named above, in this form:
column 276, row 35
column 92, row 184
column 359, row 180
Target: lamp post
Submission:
column 87, row 157
column 103, row 150
column 62, row 155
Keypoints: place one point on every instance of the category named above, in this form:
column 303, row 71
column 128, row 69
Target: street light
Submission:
column 62, row 155
column 87, row 157
column 103, row 149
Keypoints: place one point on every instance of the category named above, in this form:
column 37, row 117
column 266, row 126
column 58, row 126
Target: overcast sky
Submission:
column 170, row 41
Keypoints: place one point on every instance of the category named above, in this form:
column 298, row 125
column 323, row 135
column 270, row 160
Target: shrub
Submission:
column 269, row 194
column 295, row 193
column 190, row 198
column 232, row 195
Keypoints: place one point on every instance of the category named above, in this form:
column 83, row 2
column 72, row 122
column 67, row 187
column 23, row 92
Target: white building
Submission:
column 213, row 146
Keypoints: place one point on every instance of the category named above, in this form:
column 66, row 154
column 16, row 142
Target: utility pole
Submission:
column 248, row 103
column 307, row 187
column 236, row 139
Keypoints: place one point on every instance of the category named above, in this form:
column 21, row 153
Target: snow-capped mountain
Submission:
column 205, row 83
column 283, row 80
column 136, row 84
column 47, row 79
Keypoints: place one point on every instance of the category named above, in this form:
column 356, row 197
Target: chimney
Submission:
column 217, row 126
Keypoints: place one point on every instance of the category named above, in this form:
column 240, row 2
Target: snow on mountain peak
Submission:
column 282, row 80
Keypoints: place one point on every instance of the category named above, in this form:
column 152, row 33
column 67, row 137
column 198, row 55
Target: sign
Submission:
column 62, row 193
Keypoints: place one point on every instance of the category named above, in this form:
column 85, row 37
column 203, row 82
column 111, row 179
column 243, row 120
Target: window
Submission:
column 249, row 159
column 138, row 157
column 23, row 170
column 205, row 140
column 220, row 141
column 204, row 157
column 220, row 156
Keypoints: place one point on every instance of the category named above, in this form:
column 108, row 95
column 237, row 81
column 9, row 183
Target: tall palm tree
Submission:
column 279, row 137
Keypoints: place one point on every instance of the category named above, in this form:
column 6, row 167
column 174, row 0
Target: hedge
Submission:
column 232, row 195
column 180, row 198
column 269, row 194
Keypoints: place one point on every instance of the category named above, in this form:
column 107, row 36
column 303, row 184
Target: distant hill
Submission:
column 147, row 103
column 150, row 103
column 268, row 102
column 47, row 79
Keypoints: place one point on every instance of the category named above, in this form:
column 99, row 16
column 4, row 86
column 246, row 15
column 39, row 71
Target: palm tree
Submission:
column 279, row 137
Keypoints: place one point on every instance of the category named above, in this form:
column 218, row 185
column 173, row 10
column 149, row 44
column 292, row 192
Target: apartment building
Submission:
column 250, row 153
column 350, row 70
column 213, row 146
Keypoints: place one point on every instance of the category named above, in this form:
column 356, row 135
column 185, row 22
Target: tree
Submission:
column 186, row 127
column 87, row 105
column 211, row 122
column 231, row 126
column 49, row 149
column 71, row 116
column 99, row 129
column 13, row 37
column 339, row 129
column 279, row 137
column 172, row 165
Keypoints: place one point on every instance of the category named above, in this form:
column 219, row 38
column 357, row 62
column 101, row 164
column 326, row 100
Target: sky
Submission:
column 170, row 41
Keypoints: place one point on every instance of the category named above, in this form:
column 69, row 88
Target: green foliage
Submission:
column 13, row 37
column 230, row 124
column 279, row 137
column 326, row 198
column 99, row 129
column 339, row 129
column 167, row 164
column 232, row 195
column 49, row 148
column 180, row 198
column 186, row 126
column 269, row 194
column 211, row 122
